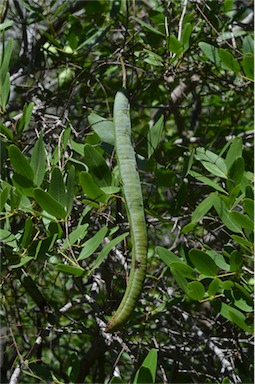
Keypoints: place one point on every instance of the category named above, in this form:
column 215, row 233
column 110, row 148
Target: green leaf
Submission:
column 214, row 169
column 147, row 26
column 242, row 304
column 242, row 220
column 219, row 260
column 79, row 148
column 242, row 241
column 38, row 161
column 74, row 367
column 184, row 269
column 20, row 163
column 228, row 5
column 235, row 316
column 7, row 52
column 24, row 260
column 237, row 170
column 23, row 185
column 248, row 45
column 151, row 58
column 25, row 119
column 99, row 34
column 167, row 257
column 49, row 204
column 90, row 188
column 57, row 187
column 97, row 166
column 6, row 131
column 147, row 371
column 204, row 207
column 8, row 238
column 185, row 35
column 91, row 245
column 188, row 227
column 248, row 205
column 211, row 52
column 5, row 91
column 110, row 190
column 155, row 135
column 77, row 234
column 234, row 152
column 236, row 261
column 106, row 250
column 180, row 280
column 174, row 45
column 214, row 286
column 70, row 270
column 65, row 77
column 212, row 162
column 104, row 128
column 27, row 234
column 228, row 59
column 7, row 24
column 248, row 66
column 195, row 290
column 203, row 262
column 143, row 376
column 227, row 285
column 224, row 214
column 207, row 181
column 4, row 194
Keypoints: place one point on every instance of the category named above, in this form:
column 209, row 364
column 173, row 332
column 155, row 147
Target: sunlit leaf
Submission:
column 103, row 127
column 147, row 371
column 205, row 180
column 202, row 209
column 91, row 245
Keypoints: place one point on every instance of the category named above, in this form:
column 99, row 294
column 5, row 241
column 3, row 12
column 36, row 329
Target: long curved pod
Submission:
column 134, row 206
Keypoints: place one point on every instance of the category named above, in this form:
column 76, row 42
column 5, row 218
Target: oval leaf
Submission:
column 104, row 128
column 195, row 290
column 185, row 270
column 167, row 256
column 228, row 59
column 203, row 262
